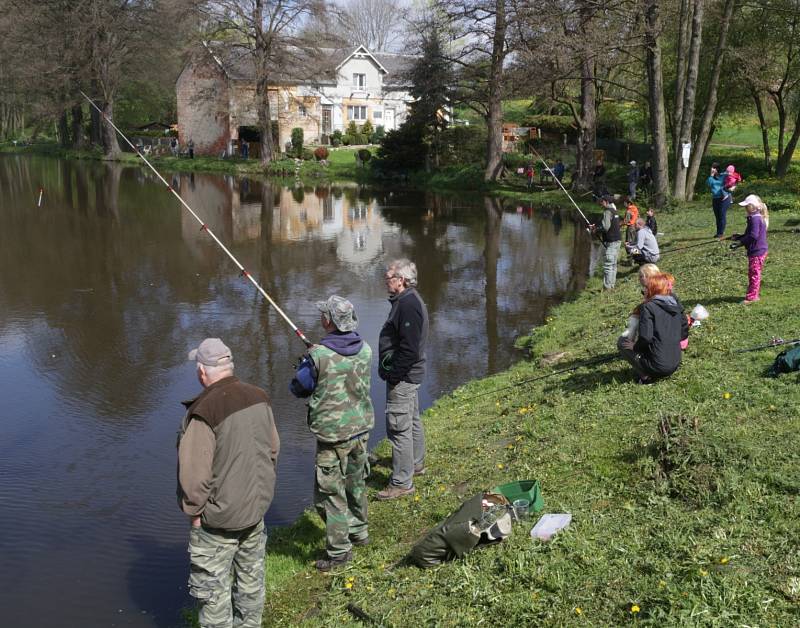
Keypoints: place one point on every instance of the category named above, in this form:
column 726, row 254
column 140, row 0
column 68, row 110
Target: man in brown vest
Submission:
column 227, row 450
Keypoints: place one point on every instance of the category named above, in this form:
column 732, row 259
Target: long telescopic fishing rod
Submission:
column 589, row 225
column 691, row 246
column 776, row 342
column 204, row 227
column 599, row 360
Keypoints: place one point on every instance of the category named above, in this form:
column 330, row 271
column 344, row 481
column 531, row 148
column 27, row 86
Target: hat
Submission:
column 632, row 163
column 731, row 169
column 340, row 311
column 211, row 352
column 750, row 199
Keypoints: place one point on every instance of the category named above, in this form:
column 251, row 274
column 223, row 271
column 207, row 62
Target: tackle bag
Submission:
column 786, row 362
column 462, row 531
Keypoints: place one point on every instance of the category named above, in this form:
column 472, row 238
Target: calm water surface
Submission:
column 105, row 288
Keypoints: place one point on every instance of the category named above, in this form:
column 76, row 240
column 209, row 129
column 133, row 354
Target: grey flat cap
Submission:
column 212, row 352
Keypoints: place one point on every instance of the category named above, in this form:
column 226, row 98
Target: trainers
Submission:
column 749, row 301
column 328, row 564
column 420, row 470
column 359, row 542
column 393, row 492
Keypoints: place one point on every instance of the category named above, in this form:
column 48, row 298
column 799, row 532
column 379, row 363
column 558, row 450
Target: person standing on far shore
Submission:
column 402, row 366
column 227, row 451
column 190, row 147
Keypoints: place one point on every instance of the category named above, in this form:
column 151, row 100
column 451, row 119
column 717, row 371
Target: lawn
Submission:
column 683, row 493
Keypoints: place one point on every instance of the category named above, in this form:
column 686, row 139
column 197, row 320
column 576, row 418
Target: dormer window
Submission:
column 360, row 81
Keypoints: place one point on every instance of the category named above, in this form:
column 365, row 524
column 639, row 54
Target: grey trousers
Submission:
column 610, row 265
column 404, row 431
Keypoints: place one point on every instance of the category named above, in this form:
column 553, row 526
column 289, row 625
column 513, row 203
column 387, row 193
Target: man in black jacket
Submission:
column 402, row 366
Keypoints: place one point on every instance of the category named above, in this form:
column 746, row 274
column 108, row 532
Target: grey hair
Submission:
column 406, row 270
column 215, row 373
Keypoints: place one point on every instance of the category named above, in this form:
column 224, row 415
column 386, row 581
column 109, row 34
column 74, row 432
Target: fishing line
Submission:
column 569, row 196
column 776, row 342
column 691, row 246
column 599, row 360
column 204, row 227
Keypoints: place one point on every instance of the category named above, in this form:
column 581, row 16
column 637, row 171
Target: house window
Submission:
column 302, row 111
column 356, row 112
column 377, row 115
column 360, row 81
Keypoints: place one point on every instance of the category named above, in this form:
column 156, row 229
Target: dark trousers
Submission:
column 720, row 206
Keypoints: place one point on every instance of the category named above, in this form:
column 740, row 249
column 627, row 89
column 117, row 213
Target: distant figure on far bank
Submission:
column 190, row 147
column 656, row 353
column 335, row 377
column 401, row 364
column 755, row 240
column 633, row 179
column 720, row 199
column 227, row 451
column 559, row 169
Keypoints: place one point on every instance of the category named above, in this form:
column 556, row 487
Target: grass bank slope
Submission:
column 684, row 494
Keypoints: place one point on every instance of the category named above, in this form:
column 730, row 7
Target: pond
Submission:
column 108, row 284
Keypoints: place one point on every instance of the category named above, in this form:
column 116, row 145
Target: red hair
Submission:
column 658, row 285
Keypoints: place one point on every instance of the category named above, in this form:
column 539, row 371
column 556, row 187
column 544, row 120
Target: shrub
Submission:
column 307, row 154
column 336, row 135
column 364, row 155
column 380, row 132
column 359, row 139
column 516, row 160
column 347, row 140
column 401, row 150
column 320, row 152
column 352, row 128
column 336, row 141
column 556, row 124
column 297, row 141
column 367, row 129
column 463, row 145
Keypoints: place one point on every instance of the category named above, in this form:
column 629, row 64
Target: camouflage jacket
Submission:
column 340, row 406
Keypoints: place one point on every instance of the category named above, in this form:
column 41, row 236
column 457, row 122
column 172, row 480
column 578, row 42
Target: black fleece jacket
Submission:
column 659, row 343
column 403, row 337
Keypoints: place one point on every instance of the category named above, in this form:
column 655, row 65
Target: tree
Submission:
column 655, row 98
column 376, row 24
column 272, row 34
column 431, row 78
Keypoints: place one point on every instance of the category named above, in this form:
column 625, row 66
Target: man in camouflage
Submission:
column 227, row 451
column 335, row 376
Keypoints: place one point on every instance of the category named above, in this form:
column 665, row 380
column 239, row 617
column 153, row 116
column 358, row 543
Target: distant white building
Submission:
column 216, row 98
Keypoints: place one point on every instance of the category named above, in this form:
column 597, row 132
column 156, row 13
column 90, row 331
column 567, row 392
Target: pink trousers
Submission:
column 755, row 266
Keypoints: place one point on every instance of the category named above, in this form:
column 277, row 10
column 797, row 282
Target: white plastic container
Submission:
column 548, row 525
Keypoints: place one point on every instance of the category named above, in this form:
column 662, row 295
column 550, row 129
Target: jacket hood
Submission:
column 667, row 303
column 343, row 342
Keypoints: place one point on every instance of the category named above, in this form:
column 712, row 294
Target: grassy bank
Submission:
column 341, row 164
column 683, row 493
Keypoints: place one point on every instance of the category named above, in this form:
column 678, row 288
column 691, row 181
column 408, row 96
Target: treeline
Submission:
column 682, row 62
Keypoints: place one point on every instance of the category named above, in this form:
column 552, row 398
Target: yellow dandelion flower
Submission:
column 635, row 609
column 348, row 585
column 497, row 403
column 578, row 610
column 662, row 583
column 703, row 573
column 726, row 395
column 723, row 560
column 416, row 498
column 499, row 465
column 510, row 446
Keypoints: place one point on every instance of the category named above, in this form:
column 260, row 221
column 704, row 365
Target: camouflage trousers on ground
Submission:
column 340, row 492
column 227, row 576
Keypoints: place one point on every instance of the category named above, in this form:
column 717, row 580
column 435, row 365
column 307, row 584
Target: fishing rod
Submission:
column 589, row 225
column 775, row 342
column 691, row 246
column 204, row 227
column 599, row 360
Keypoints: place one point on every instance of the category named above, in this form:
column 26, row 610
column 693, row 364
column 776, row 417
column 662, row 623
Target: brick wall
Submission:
column 202, row 100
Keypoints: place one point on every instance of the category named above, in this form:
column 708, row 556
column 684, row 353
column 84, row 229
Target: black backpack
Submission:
column 786, row 362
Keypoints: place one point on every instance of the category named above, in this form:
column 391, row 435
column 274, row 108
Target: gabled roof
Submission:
column 237, row 63
column 361, row 52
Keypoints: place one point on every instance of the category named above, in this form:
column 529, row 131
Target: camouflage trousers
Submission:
column 340, row 492
column 228, row 567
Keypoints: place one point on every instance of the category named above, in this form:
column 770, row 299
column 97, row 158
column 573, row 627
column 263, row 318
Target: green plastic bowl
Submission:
column 523, row 489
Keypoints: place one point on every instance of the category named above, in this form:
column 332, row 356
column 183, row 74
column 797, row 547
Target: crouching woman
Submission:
column 657, row 351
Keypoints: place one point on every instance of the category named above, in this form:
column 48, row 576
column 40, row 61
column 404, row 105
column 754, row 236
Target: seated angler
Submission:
column 645, row 250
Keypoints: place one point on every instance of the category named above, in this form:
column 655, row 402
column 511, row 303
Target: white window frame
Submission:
column 359, row 80
column 302, row 111
column 360, row 109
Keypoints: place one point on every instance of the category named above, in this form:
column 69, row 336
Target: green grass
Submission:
column 697, row 527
